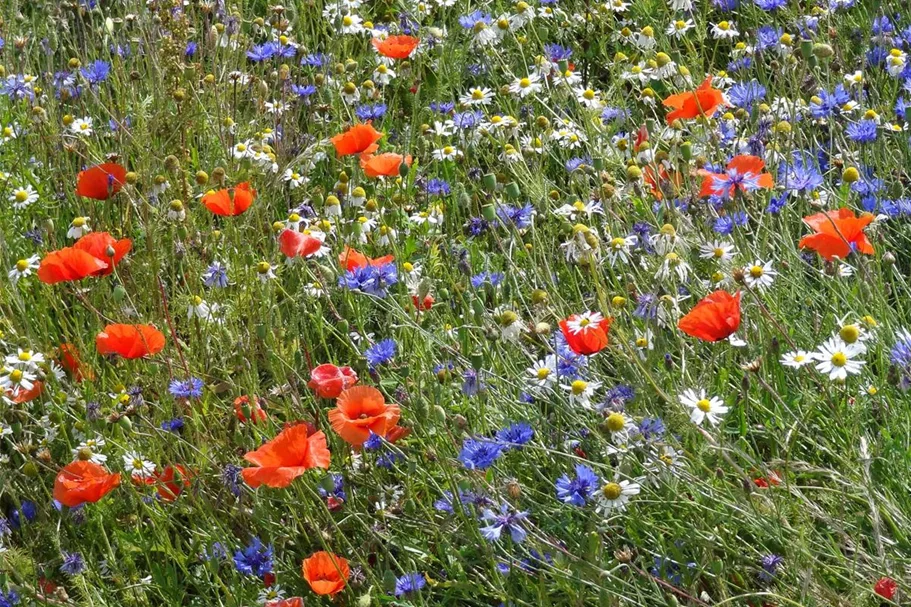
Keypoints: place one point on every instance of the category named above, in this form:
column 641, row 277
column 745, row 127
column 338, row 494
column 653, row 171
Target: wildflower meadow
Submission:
column 455, row 302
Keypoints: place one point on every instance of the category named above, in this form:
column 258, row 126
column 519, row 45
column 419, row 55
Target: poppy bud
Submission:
column 125, row 423
column 539, row 297
column 512, row 190
column 119, row 293
column 30, row 469
column 514, row 489
column 489, row 182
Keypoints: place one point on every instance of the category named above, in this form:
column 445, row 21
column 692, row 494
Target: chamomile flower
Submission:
column 837, row 359
column 524, row 87
column 678, row 29
column 15, row 381
column 719, row 250
column 477, row 96
column 79, row 227
column 581, row 392
column 138, row 466
column 616, row 495
column 543, row 373
column 293, row 179
column 619, row 248
column 797, row 359
column 759, row 275
column 27, row 360
column 82, row 127
column 703, row 408
column 23, row 268
column 23, row 196
column 725, row 30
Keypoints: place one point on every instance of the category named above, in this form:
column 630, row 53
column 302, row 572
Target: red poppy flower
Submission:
column 714, row 318
column 743, row 173
column 705, row 100
column 396, row 47
column 295, row 244
column 295, row 601
column 351, row 259
column 837, row 234
column 71, row 362
column 245, row 412
column 69, row 264
column 328, row 381
column 80, row 482
column 101, row 181
column 361, row 410
column 294, row 451
column 358, row 139
column 230, row 202
column 383, row 165
column 586, row 333
column 326, row 573
column 171, row 482
column 423, row 304
column 97, row 245
column 130, row 341
column 885, row 587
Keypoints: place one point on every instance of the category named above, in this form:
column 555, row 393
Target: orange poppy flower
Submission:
column 743, row 173
column 25, row 396
column 328, row 381
column 80, row 482
column 130, row 341
column 352, row 259
column 837, row 234
column 244, row 412
column 69, row 264
column 171, row 482
column 230, row 202
column 295, row 244
column 384, row 165
column 101, row 181
column 326, row 573
column 294, row 601
column 396, row 47
column 294, row 451
column 361, row 410
column 662, row 181
column 705, row 100
column 71, row 362
column 714, row 318
column 96, row 244
column 359, row 139
column 587, row 333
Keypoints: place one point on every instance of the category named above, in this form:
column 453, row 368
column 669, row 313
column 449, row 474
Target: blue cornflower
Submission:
column 767, row 37
column 471, row 382
column 25, row 513
column 609, row 114
column 501, row 521
column 740, row 65
column 315, row 60
column 190, row 49
column 900, row 355
column 389, row 460
column 338, row 488
column 618, row 396
column 477, row 226
column 442, row 107
column 230, row 476
column 172, row 425
column 862, row 132
column 769, row 563
column 575, row 164
column 725, row 5
column 770, row 5
column 491, row 278
column 216, row 275
column 557, row 53
column 370, row 112
column 9, row 598
column 186, row 388
column 263, row 52
column 369, row 279
column 373, row 442
column 745, row 94
column 468, row 119
column 801, row 175
column 515, row 435
column 303, row 91
column 479, row 454
column 651, row 428
column 6, row 527
column 520, row 217
column 669, row 569
column 96, row 72
column 723, row 225
column 578, row 490
column 73, row 563
column 829, row 104
column 473, row 18
column 255, row 559
column 647, row 305
column 437, row 187
column 381, row 352
column 216, row 552
column 16, row 88
column 410, row 582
